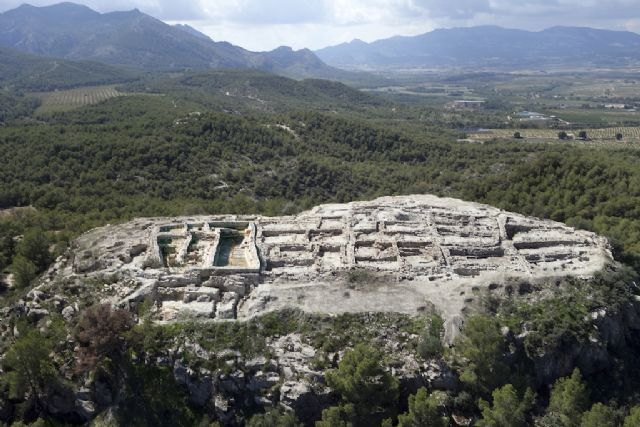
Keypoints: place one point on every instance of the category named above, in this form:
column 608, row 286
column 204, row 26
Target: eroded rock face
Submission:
column 393, row 254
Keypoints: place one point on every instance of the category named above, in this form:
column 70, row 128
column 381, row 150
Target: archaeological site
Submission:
column 394, row 254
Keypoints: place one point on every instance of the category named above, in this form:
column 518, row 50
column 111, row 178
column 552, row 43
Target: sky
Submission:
column 266, row 24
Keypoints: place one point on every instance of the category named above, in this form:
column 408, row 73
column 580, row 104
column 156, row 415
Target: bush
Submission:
column 360, row 276
column 338, row 416
column 274, row 418
column 430, row 344
column 101, row 334
column 34, row 246
column 24, row 271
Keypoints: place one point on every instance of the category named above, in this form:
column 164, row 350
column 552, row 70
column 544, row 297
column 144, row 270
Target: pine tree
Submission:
column 424, row 410
column 599, row 416
column 569, row 399
column 507, row 409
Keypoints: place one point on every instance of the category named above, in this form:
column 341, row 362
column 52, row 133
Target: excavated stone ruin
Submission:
column 397, row 254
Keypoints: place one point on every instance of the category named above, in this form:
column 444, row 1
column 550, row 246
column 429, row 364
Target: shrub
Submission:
column 101, row 334
column 24, row 271
column 273, row 418
column 34, row 246
column 430, row 344
column 338, row 416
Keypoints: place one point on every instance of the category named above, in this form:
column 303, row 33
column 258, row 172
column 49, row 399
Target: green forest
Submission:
column 140, row 155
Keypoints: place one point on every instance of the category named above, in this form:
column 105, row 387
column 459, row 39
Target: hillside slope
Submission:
column 34, row 73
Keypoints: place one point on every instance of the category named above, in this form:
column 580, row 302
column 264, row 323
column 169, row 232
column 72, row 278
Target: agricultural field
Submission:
column 570, row 85
column 602, row 88
column 630, row 135
column 427, row 90
column 596, row 118
column 65, row 100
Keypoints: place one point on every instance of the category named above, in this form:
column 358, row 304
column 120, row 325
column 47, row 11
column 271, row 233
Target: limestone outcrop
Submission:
column 394, row 254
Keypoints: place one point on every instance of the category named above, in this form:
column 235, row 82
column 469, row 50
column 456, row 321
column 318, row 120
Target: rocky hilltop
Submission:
column 247, row 313
column 403, row 254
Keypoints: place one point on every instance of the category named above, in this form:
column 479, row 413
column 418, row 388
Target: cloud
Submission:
column 262, row 12
column 362, row 12
column 567, row 10
column 459, row 9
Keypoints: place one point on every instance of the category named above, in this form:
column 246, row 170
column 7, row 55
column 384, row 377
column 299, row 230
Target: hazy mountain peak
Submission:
column 135, row 39
column 283, row 49
column 23, row 6
column 491, row 46
column 63, row 7
column 189, row 29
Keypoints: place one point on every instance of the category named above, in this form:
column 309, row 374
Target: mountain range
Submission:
column 490, row 46
column 136, row 40
column 133, row 40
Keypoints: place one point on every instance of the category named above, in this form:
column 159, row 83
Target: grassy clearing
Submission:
column 65, row 100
